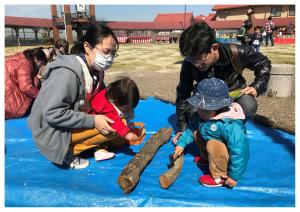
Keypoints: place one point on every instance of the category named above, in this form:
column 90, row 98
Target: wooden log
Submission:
column 130, row 175
column 168, row 178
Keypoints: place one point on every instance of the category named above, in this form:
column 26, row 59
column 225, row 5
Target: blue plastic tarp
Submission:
column 31, row 180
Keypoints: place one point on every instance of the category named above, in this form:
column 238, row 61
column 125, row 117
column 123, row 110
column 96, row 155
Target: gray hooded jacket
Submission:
column 56, row 110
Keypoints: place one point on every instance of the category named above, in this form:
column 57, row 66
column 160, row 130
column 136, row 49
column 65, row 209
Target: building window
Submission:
column 276, row 11
column 292, row 10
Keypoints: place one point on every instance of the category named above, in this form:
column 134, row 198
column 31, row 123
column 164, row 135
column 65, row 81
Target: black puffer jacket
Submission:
column 229, row 69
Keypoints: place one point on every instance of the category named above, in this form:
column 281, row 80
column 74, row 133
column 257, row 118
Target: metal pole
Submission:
column 66, row 37
column 184, row 17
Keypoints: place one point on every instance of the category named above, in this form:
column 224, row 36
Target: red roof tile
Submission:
column 210, row 17
column 28, row 22
column 184, row 19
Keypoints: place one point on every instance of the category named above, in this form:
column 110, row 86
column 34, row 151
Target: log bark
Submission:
column 168, row 178
column 130, row 175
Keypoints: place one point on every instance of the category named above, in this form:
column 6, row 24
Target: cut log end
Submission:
column 164, row 182
column 125, row 183
column 168, row 178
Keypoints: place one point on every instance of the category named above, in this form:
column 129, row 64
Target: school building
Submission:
column 228, row 18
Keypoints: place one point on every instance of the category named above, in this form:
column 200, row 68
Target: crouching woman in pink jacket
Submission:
column 21, row 82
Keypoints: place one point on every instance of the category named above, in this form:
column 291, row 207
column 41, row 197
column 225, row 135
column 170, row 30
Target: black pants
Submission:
column 269, row 36
column 249, row 105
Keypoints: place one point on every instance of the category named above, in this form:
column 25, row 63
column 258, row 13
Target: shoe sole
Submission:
column 104, row 158
column 81, row 166
column 211, row 186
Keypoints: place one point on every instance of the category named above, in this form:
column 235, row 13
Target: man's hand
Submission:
column 176, row 137
column 230, row 182
column 249, row 91
column 178, row 151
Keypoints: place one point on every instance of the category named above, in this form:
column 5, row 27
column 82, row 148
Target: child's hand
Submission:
column 130, row 136
column 230, row 182
column 176, row 137
column 178, row 151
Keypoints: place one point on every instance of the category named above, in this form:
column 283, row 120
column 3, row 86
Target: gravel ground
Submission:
column 273, row 112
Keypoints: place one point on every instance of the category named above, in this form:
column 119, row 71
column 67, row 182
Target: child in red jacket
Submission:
column 117, row 102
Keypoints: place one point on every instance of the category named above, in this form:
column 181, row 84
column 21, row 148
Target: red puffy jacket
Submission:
column 21, row 85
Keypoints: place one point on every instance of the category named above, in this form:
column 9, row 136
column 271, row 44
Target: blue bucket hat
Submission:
column 211, row 94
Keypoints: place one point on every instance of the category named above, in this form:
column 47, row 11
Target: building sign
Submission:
column 80, row 8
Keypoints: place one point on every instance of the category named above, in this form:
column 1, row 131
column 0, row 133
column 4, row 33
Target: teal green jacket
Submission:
column 231, row 132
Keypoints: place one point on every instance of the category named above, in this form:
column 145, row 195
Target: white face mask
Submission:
column 101, row 63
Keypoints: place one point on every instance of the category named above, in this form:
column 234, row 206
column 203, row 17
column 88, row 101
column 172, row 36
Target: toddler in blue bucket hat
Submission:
column 219, row 133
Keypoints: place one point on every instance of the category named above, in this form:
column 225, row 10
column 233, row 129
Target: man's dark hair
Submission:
column 123, row 92
column 196, row 39
column 270, row 18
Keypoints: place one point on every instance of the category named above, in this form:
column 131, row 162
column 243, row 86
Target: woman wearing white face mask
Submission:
column 102, row 62
column 61, row 111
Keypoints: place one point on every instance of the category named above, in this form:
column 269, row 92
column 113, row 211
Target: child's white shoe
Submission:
column 103, row 154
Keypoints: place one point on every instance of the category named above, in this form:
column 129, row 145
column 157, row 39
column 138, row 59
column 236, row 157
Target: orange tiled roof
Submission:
column 174, row 18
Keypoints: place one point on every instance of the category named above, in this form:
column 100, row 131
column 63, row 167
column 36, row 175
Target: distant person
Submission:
column 269, row 28
column 206, row 58
column 21, row 81
column 61, row 47
column 247, row 28
column 257, row 39
column 61, row 110
column 219, row 132
column 116, row 102
column 50, row 53
column 242, row 32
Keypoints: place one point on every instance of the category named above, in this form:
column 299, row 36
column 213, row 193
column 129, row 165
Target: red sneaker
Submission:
column 200, row 161
column 208, row 181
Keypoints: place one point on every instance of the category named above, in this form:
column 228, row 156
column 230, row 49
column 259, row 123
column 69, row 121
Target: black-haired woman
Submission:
column 63, row 104
column 21, row 81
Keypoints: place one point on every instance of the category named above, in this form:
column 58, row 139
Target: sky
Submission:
column 113, row 12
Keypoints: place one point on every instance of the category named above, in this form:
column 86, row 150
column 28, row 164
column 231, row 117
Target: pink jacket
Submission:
column 235, row 112
column 21, row 86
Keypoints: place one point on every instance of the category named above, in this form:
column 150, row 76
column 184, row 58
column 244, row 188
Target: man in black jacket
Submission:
column 205, row 57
